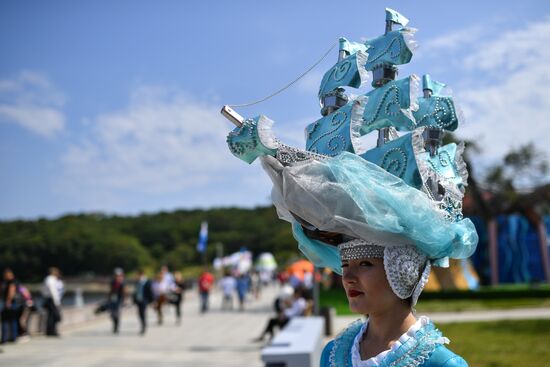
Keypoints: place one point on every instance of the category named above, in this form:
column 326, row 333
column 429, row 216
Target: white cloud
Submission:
column 513, row 50
column 33, row 102
column 453, row 40
column 163, row 143
column 508, row 103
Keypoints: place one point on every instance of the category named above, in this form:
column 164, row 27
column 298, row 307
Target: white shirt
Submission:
column 296, row 309
column 167, row 284
column 228, row 285
column 51, row 289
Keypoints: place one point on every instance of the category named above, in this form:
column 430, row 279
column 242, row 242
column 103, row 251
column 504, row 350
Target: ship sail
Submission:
column 349, row 72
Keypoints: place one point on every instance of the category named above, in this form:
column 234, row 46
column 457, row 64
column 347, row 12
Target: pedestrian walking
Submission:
column 228, row 284
column 143, row 296
column 176, row 296
column 51, row 292
column 243, row 287
column 255, row 284
column 206, row 280
column 117, row 293
column 24, row 311
column 159, row 292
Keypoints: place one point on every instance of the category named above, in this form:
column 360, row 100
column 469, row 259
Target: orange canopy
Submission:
column 299, row 268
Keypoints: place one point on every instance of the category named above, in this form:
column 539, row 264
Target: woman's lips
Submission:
column 353, row 293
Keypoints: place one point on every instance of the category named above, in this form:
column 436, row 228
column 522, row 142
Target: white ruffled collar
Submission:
column 377, row 360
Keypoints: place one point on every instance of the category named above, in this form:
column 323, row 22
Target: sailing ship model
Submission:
column 410, row 116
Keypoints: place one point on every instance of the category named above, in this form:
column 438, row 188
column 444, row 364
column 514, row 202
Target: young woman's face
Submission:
column 366, row 286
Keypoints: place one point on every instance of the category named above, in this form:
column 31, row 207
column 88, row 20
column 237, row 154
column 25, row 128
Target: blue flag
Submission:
column 203, row 237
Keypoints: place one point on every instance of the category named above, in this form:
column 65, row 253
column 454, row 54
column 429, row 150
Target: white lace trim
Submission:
column 408, row 35
column 359, row 147
column 461, row 164
column 377, row 359
column 265, row 133
column 362, row 59
column 414, row 93
column 421, row 283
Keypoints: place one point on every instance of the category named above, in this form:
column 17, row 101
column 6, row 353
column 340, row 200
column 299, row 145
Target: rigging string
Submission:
column 289, row 84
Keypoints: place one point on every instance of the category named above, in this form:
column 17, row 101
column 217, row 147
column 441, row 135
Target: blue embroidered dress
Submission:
column 421, row 346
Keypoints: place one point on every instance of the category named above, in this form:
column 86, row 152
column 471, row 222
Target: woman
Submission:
column 384, row 284
column 159, row 291
column 383, row 215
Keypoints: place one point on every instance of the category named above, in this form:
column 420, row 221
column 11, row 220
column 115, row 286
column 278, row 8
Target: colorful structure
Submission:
column 512, row 249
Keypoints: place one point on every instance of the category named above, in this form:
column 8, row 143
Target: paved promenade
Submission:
column 213, row 339
column 218, row 339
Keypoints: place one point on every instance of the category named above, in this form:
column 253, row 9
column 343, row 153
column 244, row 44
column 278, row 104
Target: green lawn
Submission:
column 483, row 344
column 431, row 303
column 501, row 343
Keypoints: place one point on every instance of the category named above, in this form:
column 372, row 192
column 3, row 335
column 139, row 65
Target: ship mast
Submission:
column 382, row 75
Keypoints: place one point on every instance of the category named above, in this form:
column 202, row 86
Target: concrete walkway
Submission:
column 219, row 339
column 212, row 339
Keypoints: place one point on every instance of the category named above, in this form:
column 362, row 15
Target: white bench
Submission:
column 299, row 344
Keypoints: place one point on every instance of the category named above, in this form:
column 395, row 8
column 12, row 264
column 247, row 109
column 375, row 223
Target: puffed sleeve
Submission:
column 443, row 357
column 326, row 354
column 456, row 361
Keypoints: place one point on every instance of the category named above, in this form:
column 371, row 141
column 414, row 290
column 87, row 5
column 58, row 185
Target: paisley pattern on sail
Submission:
column 348, row 72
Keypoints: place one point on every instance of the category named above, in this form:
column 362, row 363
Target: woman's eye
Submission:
column 365, row 263
column 345, row 265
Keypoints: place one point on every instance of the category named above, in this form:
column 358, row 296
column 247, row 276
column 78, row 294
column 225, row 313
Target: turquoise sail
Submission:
column 392, row 48
column 434, row 109
column 331, row 134
column 391, row 105
column 349, row 72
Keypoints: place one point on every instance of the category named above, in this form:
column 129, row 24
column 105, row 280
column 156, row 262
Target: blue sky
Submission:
column 114, row 106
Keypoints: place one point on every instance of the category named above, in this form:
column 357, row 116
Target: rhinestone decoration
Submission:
column 338, row 118
column 443, row 113
column 394, row 48
column 288, row 155
column 239, row 147
column 387, row 107
column 444, row 158
column 395, row 162
column 336, row 144
column 360, row 249
column 310, row 129
column 452, row 209
column 340, row 72
column 404, row 266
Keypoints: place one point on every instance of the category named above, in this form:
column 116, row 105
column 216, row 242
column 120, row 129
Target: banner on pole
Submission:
column 203, row 237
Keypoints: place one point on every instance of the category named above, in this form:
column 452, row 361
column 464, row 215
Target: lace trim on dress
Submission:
column 411, row 350
column 342, row 344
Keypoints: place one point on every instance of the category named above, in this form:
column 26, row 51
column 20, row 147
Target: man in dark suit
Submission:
column 143, row 295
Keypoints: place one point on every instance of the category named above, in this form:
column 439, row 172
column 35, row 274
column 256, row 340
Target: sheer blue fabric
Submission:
column 319, row 253
column 390, row 205
column 347, row 194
